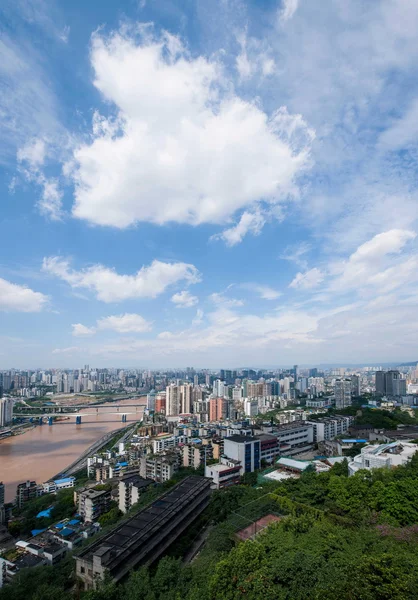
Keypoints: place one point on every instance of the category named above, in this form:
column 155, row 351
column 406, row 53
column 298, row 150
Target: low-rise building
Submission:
column 225, row 473
column 328, row 428
column 390, row 455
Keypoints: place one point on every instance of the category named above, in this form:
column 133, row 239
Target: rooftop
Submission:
column 241, row 439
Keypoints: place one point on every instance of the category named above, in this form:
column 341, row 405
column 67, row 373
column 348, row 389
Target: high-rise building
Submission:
column 342, row 393
column 217, row 409
column 355, row 385
column 390, row 383
column 380, row 383
column 6, row 411
column 179, row 399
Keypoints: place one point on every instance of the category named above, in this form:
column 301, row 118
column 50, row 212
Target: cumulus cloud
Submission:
column 371, row 264
column 183, row 147
column 307, row 280
column 149, row 282
column 33, row 153
column 248, row 223
column 19, row 298
column 184, row 299
column 126, row 323
column 80, row 330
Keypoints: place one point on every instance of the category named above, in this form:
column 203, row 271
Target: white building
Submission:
column 390, row 455
column 328, row 428
column 251, row 407
column 163, row 443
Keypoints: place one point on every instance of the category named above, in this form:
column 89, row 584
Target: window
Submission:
column 82, row 570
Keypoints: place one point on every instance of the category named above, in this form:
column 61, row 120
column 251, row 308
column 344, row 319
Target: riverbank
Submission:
column 45, row 450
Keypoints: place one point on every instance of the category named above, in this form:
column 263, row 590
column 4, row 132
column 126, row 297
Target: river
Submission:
column 46, row 450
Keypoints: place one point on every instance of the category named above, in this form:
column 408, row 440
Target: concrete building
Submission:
column 328, row 428
column 196, row 454
column 179, row 399
column 6, row 411
column 217, row 409
column 246, row 449
column 159, row 468
column 385, row 455
column 26, row 491
column 162, row 443
column 143, row 538
column 93, row 503
column 269, row 447
column 224, row 474
column 251, row 407
column 294, row 437
column 355, row 385
column 342, row 393
column 130, row 489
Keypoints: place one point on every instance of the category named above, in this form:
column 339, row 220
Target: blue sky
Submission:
column 221, row 183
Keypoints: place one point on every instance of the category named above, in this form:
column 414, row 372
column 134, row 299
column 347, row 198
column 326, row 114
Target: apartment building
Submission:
column 328, row 428
column 93, row 503
column 130, row 489
column 159, row 468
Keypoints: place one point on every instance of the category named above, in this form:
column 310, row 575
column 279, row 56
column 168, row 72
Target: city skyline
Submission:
column 185, row 183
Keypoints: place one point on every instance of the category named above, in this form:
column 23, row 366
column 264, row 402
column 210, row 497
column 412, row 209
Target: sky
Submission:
column 213, row 184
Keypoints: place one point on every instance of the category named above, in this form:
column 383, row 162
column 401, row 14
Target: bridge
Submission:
column 71, row 408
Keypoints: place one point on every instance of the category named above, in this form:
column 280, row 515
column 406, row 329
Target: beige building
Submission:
column 179, row 399
column 93, row 503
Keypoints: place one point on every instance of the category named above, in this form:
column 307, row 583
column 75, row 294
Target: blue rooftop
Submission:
column 67, row 531
column 353, row 441
column 37, row 531
column 64, row 480
column 44, row 513
column 74, row 522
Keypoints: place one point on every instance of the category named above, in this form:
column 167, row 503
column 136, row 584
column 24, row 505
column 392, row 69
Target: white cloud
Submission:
column 149, row 282
column 248, row 223
column 68, row 350
column 308, row 280
column 266, row 292
column 18, row 298
column 127, row 323
column 184, row 299
column 221, row 300
column 183, row 147
column 288, row 9
column 371, row 262
column 198, row 319
column 80, row 330
column 50, row 203
column 33, row 153
column 295, row 253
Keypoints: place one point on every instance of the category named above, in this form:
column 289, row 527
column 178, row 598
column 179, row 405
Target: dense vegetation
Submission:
column 340, row 538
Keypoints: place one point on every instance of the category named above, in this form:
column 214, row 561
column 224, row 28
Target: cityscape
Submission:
column 201, row 431
column 209, row 300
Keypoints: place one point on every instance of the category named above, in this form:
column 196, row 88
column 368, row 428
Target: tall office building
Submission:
column 342, row 393
column 390, row 383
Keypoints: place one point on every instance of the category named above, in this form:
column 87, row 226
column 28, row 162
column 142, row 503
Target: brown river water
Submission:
column 46, row 450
